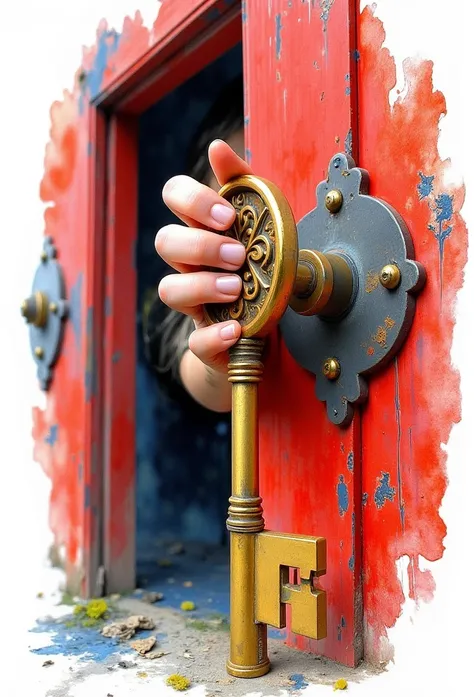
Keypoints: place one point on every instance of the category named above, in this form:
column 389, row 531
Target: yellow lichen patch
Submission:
column 188, row 605
column 340, row 684
column 178, row 682
column 95, row 609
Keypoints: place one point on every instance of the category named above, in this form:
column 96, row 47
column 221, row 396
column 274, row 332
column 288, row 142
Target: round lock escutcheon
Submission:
column 44, row 311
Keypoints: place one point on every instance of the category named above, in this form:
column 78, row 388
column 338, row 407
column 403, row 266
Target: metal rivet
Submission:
column 24, row 308
column 390, row 276
column 331, row 369
column 39, row 353
column 53, row 308
column 333, row 200
column 44, row 256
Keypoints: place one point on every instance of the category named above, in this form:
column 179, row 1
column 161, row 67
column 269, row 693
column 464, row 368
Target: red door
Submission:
column 316, row 82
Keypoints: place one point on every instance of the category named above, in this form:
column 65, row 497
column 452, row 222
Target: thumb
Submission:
column 225, row 163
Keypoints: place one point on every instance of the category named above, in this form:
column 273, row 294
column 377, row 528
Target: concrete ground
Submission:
column 55, row 654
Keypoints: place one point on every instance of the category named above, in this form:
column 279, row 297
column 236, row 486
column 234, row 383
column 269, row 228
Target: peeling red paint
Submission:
column 406, row 420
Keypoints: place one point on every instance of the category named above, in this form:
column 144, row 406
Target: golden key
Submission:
column 274, row 276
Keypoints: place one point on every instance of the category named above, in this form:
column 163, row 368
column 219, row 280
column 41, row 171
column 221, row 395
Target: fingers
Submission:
column 225, row 163
column 187, row 292
column 197, row 204
column 210, row 344
column 183, row 248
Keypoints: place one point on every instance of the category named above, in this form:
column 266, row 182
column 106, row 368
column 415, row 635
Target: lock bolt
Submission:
column 333, row 200
column 39, row 353
column 390, row 276
column 331, row 369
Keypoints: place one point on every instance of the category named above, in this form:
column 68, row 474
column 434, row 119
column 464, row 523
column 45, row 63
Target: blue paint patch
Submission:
column 116, row 356
column 442, row 207
column 278, row 28
column 52, row 436
column 90, row 148
column 351, row 562
column 91, row 80
column 342, row 496
column 425, row 186
column 246, row 120
column 384, row 492
column 87, row 496
column 244, row 11
column 347, row 91
column 75, row 305
column 325, row 6
column 80, row 471
column 248, row 155
column 91, row 360
column 365, row 498
column 356, row 55
column 85, row 643
column 298, row 682
column 350, row 462
column 340, row 627
column 107, row 306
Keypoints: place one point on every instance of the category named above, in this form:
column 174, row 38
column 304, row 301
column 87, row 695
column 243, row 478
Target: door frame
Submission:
column 197, row 33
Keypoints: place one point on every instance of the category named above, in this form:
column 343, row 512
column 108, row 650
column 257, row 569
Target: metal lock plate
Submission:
column 375, row 242
column 45, row 311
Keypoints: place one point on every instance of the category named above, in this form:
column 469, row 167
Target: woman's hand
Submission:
column 191, row 248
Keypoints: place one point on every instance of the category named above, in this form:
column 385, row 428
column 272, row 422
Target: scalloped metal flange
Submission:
column 369, row 234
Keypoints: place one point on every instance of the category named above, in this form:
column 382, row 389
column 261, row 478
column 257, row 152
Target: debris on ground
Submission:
column 152, row 597
column 188, row 605
column 340, row 684
column 141, row 674
column 115, row 597
column 40, row 594
column 142, row 646
column 177, row 548
column 186, row 654
column 156, row 654
column 48, row 663
column 126, row 630
column 178, row 682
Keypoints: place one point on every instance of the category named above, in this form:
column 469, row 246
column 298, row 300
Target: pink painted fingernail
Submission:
column 228, row 332
column 230, row 285
column 223, row 215
column 233, row 254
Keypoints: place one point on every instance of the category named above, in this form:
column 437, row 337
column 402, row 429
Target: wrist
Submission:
column 208, row 386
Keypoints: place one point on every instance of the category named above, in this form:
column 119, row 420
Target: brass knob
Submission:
column 35, row 309
column 265, row 225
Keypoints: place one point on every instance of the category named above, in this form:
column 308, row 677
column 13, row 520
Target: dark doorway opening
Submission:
column 182, row 452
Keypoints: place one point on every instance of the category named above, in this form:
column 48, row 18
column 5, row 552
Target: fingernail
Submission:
column 223, row 215
column 228, row 332
column 230, row 285
column 233, row 254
